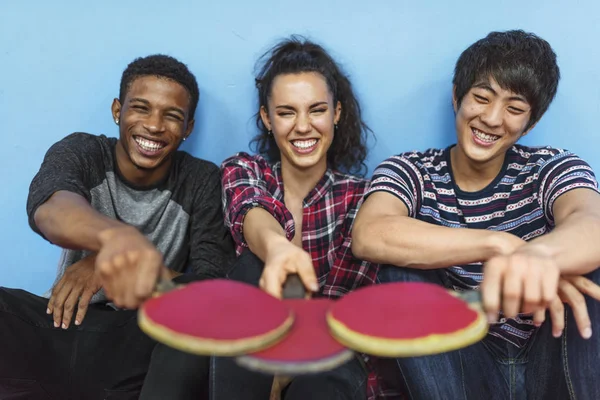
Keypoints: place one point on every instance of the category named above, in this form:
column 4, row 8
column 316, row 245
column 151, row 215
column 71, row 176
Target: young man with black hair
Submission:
column 125, row 210
column 520, row 223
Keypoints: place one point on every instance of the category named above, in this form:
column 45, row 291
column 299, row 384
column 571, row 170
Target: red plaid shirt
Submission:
column 328, row 214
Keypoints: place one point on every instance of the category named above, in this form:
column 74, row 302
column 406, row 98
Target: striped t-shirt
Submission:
column 519, row 201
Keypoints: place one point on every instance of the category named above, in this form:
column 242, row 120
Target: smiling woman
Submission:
column 291, row 207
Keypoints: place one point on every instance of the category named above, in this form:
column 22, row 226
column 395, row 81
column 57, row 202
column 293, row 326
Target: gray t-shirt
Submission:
column 181, row 215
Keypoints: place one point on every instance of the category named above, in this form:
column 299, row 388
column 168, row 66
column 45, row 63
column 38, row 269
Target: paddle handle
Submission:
column 164, row 283
column 293, row 288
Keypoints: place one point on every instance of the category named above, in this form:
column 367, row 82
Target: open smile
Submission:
column 149, row 147
column 304, row 146
column 483, row 138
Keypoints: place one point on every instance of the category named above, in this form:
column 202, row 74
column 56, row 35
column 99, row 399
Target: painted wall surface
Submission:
column 61, row 63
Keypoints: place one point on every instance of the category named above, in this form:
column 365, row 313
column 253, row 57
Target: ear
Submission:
column 189, row 128
column 115, row 109
column 454, row 99
column 338, row 112
column 264, row 115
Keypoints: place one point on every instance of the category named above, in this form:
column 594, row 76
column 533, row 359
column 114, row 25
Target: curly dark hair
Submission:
column 296, row 55
column 162, row 66
column 519, row 61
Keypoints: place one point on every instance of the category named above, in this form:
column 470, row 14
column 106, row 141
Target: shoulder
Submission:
column 85, row 142
column 244, row 159
column 427, row 157
column 422, row 161
column 350, row 183
column 539, row 159
column 195, row 165
column 529, row 154
column 194, row 174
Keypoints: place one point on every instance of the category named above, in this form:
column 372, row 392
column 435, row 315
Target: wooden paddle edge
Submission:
column 211, row 347
column 294, row 368
column 429, row 345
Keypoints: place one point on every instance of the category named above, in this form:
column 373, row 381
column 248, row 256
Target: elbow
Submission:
column 41, row 217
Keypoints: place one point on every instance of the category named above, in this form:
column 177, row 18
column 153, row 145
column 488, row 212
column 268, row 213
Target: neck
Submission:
column 139, row 176
column 299, row 182
column 470, row 175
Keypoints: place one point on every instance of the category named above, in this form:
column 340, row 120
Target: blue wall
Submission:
column 60, row 64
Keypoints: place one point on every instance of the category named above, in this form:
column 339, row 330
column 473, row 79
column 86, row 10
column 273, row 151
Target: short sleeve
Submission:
column 559, row 174
column 67, row 166
column 400, row 177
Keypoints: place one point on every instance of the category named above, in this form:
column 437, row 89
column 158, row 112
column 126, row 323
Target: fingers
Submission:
column 84, row 302
column 149, row 268
column 57, row 301
column 550, row 277
column 307, row 274
column 121, row 283
column 130, row 277
column 539, row 316
column 272, row 280
column 573, row 297
column 584, row 285
column 55, row 290
column 491, row 287
column 557, row 317
column 532, row 293
column 69, row 307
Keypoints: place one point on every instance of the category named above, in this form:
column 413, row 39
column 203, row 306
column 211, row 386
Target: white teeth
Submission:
column 304, row 144
column 484, row 136
column 148, row 145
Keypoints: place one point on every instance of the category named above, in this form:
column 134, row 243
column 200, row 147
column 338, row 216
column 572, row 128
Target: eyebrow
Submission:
column 146, row 102
column 288, row 107
column 486, row 86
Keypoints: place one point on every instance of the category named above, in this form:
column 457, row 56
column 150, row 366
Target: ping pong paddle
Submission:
column 406, row 319
column 307, row 348
column 215, row 317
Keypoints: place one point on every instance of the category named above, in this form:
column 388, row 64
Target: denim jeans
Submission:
column 229, row 381
column 546, row 368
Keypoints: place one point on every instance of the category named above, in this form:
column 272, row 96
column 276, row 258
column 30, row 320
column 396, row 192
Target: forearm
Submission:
column 574, row 244
column 262, row 232
column 407, row 242
column 69, row 221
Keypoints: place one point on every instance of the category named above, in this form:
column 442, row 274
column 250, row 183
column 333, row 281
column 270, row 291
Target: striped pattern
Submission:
column 518, row 201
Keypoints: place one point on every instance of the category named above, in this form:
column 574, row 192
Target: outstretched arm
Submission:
column 384, row 233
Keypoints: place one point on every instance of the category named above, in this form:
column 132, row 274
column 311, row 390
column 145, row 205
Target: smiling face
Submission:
column 302, row 117
column 489, row 121
column 153, row 121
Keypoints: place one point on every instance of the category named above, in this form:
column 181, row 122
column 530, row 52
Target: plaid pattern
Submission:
column 329, row 212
